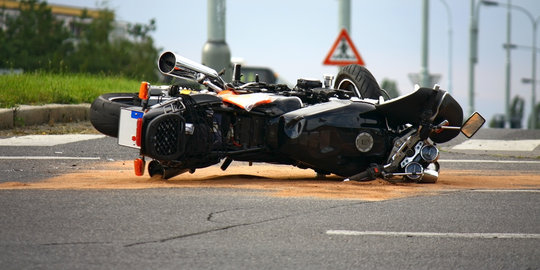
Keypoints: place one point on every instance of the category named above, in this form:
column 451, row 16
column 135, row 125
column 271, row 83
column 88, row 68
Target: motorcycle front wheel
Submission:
column 105, row 111
column 359, row 80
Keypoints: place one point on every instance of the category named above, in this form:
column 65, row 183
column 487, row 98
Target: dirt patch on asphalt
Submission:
column 282, row 181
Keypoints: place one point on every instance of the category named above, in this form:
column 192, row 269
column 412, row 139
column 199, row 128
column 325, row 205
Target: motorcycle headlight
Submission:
column 429, row 153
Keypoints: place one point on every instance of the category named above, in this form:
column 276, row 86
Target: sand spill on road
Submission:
column 282, row 181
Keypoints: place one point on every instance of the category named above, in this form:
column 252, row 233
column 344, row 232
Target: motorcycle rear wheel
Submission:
column 105, row 111
column 359, row 80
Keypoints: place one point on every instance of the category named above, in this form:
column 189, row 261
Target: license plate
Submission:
column 127, row 127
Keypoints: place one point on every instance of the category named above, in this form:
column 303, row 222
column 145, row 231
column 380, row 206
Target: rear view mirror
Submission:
column 472, row 125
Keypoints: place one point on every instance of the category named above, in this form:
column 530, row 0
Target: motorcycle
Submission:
column 345, row 127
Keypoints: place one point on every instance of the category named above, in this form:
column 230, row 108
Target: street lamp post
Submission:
column 473, row 46
column 533, row 69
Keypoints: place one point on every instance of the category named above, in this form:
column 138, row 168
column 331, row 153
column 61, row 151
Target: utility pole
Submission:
column 216, row 53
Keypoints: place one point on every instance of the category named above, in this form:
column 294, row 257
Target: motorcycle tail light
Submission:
column 138, row 132
column 139, row 166
column 143, row 90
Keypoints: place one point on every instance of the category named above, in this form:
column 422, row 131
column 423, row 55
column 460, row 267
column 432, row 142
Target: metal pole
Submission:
column 473, row 43
column 424, row 72
column 216, row 20
column 533, row 91
column 533, row 118
column 216, row 53
column 508, row 67
column 449, row 86
column 344, row 15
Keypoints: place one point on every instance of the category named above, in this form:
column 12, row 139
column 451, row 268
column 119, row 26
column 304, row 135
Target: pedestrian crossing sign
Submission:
column 343, row 52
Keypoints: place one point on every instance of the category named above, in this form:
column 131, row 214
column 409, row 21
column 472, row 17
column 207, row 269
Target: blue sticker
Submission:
column 136, row 115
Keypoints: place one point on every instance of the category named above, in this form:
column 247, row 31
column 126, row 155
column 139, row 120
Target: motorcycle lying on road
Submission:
column 346, row 127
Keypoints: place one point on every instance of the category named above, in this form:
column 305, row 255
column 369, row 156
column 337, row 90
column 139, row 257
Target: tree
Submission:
column 99, row 52
column 34, row 39
column 390, row 86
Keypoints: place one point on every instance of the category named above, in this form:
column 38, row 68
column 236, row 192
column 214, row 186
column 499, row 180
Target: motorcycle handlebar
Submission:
column 370, row 173
column 358, row 177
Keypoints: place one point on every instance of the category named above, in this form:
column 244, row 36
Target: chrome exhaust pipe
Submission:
column 430, row 176
column 175, row 65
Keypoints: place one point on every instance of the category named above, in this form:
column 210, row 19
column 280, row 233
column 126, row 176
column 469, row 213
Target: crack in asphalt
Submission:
column 210, row 216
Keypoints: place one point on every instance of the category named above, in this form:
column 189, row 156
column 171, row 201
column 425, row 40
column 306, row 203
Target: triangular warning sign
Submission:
column 343, row 52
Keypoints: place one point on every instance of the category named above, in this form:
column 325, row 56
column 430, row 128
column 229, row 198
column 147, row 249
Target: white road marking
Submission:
column 436, row 234
column 489, row 161
column 506, row 190
column 47, row 158
column 498, row 145
column 47, row 140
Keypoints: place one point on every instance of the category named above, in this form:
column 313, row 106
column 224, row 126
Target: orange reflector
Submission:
column 143, row 90
column 139, row 166
column 138, row 132
column 438, row 131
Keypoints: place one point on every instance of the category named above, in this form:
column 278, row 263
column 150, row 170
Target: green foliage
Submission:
column 391, row 87
column 38, row 88
column 36, row 40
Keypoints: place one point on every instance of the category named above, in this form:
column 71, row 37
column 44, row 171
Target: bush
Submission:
column 36, row 41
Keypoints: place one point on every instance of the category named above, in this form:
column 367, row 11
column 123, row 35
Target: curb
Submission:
column 26, row 115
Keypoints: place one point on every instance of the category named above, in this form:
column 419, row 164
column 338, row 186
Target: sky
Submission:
column 293, row 37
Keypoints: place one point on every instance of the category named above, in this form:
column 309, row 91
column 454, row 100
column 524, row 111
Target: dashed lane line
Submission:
column 47, row 158
column 47, row 140
column 436, row 234
column 489, row 161
column 498, row 145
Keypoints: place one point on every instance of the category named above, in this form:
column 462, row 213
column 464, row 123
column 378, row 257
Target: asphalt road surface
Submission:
column 231, row 228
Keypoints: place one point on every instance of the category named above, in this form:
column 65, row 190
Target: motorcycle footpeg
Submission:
column 369, row 174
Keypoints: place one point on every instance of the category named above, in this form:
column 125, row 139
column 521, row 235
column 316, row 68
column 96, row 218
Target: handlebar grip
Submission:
column 363, row 176
column 370, row 173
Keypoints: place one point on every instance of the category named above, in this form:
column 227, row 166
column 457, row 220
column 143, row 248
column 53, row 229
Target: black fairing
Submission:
column 409, row 109
column 449, row 110
column 323, row 136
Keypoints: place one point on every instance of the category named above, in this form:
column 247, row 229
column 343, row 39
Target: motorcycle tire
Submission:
column 358, row 79
column 105, row 111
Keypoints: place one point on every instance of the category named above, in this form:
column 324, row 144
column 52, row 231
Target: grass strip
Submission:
column 40, row 88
